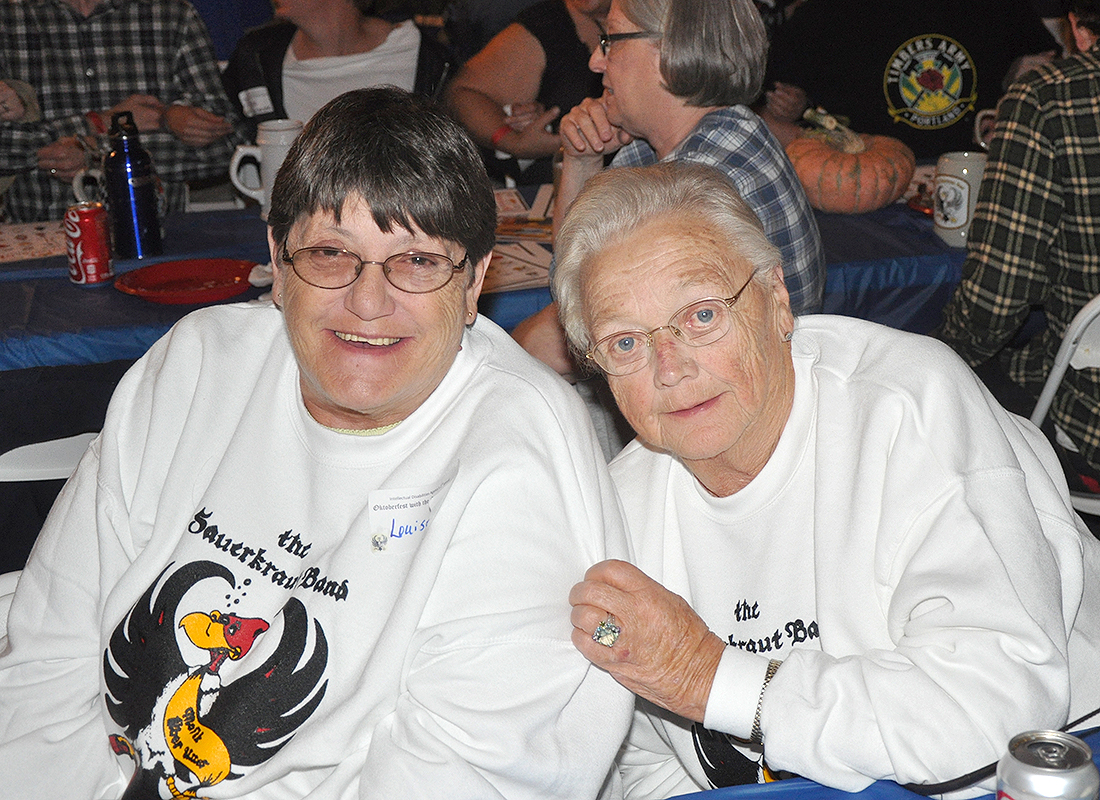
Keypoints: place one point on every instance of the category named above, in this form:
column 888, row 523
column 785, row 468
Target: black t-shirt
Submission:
column 915, row 71
column 566, row 79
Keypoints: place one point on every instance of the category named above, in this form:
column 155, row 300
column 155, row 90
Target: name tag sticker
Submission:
column 399, row 518
column 256, row 101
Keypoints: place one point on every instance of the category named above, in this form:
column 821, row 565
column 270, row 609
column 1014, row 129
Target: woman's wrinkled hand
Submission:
column 586, row 132
column 664, row 653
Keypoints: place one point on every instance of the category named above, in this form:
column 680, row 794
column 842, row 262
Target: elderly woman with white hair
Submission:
column 852, row 564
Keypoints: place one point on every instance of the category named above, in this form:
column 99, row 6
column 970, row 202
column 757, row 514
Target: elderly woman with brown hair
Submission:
column 323, row 548
column 852, row 564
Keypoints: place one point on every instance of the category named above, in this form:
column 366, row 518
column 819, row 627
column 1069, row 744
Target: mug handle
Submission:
column 78, row 184
column 241, row 152
column 980, row 137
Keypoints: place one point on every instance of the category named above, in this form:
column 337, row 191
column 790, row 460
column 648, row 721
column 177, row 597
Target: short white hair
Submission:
column 617, row 202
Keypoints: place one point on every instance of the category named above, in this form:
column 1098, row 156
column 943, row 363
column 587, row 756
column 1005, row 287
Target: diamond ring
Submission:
column 607, row 632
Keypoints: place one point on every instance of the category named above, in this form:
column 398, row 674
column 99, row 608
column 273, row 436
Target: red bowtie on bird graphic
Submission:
column 183, row 727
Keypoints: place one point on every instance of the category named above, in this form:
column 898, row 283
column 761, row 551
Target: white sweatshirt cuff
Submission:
column 735, row 692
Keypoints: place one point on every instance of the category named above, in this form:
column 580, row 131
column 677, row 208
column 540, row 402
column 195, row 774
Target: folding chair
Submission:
column 41, row 461
column 1080, row 349
column 44, row 461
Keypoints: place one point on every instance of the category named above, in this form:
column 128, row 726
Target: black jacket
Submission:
column 258, row 61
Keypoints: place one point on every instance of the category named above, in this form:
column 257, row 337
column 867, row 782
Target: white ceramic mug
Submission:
column 273, row 140
column 958, row 176
column 88, row 186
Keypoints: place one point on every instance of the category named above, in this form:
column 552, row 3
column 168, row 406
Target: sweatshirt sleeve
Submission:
column 979, row 605
column 497, row 702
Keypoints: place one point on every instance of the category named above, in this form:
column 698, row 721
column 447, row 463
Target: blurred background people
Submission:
column 17, row 104
column 510, row 94
column 1035, row 243
column 677, row 79
column 915, row 71
column 87, row 59
column 315, row 50
column 471, row 24
column 843, row 546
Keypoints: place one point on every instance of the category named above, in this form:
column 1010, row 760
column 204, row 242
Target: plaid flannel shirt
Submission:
column 738, row 142
column 76, row 65
column 1035, row 238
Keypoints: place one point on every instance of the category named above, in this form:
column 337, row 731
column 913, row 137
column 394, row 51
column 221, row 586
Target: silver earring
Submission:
column 789, row 335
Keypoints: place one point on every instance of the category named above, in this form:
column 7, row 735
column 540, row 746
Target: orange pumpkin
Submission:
column 847, row 173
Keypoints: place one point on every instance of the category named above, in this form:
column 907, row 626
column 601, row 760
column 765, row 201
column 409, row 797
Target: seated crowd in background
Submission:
column 510, row 95
column 315, row 50
column 87, row 59
column 1034, row 243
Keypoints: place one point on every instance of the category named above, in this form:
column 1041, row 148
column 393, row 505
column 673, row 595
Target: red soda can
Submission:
column 88, row 244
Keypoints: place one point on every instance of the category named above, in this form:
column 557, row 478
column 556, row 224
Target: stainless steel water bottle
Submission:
column 131, row 192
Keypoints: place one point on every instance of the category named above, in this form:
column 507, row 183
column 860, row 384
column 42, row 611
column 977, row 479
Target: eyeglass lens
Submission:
column 697, row 324
column 414, row 272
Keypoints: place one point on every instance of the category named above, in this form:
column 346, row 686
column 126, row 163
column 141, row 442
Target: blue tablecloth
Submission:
column 45, row 320
column 801, row 789
column 887, row 266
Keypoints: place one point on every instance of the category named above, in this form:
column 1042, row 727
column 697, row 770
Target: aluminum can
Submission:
column 1040, row 765
column 88, row 244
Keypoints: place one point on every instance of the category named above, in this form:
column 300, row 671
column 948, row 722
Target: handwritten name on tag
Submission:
column 399, row 518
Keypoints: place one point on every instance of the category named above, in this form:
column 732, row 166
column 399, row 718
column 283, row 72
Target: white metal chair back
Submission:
column 1080, row 349
column 44, row 461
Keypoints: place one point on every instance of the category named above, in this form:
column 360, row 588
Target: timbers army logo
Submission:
column 930, row 82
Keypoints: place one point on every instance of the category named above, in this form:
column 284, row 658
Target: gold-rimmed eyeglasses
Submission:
column 334, row 268
column 607, row 38
column 697, row 324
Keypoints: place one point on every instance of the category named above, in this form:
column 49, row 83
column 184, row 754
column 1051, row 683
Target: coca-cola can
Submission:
column 1043, row 765
column 88, row 244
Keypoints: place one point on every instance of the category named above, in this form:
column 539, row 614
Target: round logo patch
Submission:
column 930, row 82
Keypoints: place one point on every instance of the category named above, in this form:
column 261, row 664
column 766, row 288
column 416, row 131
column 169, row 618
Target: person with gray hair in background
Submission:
column 678, row 76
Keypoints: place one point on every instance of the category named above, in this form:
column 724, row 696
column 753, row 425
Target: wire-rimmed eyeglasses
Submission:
column 607, row 38
column 334, row 268
column 697, row 324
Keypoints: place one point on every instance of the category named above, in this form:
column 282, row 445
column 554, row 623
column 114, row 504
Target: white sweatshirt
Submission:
column 908, row 553
column 398, row 602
